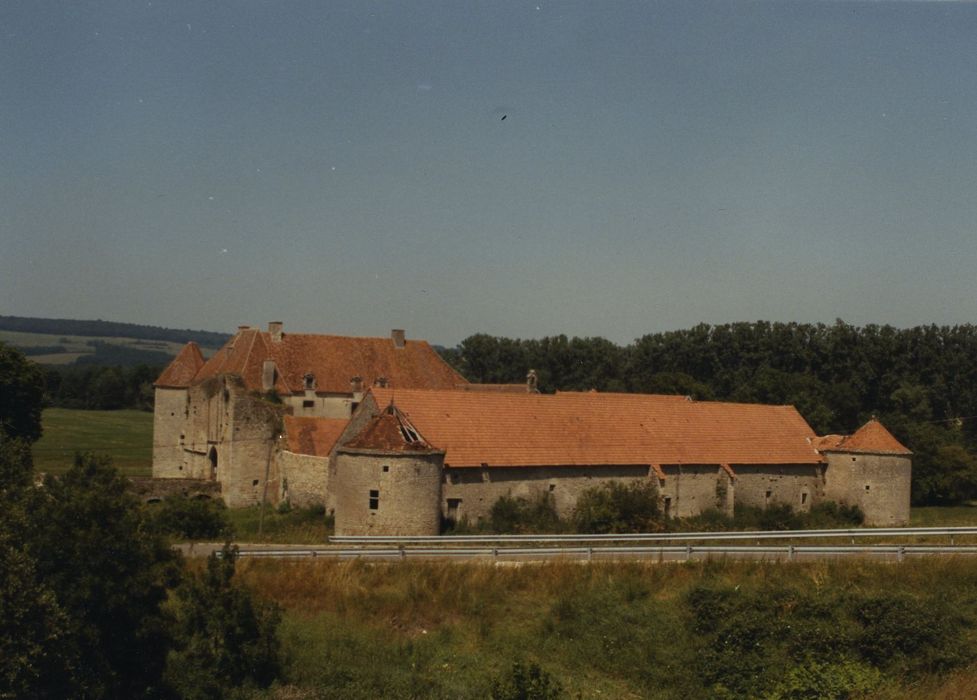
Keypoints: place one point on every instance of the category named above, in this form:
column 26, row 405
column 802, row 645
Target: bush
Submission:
column 526, row 683
column 522, row 515
column 190, row 518
column 616, row 508
column 226, row 639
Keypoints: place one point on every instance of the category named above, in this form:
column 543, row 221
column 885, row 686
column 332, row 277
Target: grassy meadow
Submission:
column 715, row 629
column 125, row 436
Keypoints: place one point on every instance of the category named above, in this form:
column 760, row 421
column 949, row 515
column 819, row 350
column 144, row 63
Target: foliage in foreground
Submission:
column 84, row 584
column 189, row 518
column 225, row 638
column 524, row 682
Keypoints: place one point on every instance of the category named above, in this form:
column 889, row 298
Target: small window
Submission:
column 803, row 498
column 867, row 487
column 352, row 406
column 552, row 488
column 309, row 381
column 769, row 494
column 308, row 404
column 454, row 505
column 386, row 468
column 668, row 506
column 374, row 499
column 254, row 482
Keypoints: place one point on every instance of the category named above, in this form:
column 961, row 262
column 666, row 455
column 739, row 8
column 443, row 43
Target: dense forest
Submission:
column 100, row 387
column 109, row 329
column 920, row 382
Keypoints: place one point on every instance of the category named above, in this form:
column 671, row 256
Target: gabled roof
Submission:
column 503, row 429
column 333, row 360
column 313, row 436
column 389, row 431
column 180, row 372
column 872, row 438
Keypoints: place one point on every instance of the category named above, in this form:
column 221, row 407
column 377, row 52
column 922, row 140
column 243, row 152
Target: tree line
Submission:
column 920, row 382
column 100, row 387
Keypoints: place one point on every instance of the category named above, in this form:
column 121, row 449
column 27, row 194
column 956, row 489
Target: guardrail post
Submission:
column 590, row 553
column 495, row 552
column 902, row 553
column 403, row 552
column 314, row 554
column 790, row 552
column 688, row 552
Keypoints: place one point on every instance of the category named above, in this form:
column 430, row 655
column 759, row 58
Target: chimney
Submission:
column 243, row 328
column 275, row 331
column 532, row 382
column 268, row 375
column 397, row 335
column 356, row 384
column 380, row 382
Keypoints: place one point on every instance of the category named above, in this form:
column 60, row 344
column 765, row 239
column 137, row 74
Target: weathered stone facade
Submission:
column 223, row 419
column 378, row 432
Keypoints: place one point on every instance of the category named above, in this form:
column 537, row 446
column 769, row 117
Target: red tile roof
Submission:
column 333, row 359
column 180, row 372
column 313, row 436
column 872, row 438
column 504, row 388
column 602, row 429
column 389, row 431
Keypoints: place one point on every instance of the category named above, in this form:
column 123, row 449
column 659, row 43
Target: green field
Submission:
column 125, row 436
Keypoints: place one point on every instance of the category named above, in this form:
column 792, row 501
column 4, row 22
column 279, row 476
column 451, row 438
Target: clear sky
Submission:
column 514, row 168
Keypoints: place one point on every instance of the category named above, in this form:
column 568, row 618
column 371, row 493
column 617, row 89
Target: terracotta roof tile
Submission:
column 389, row 431
column 332, row 359
column 602, row 429
column 313, row 436
column 180, row 372
column 873, row 438
column 497, row 388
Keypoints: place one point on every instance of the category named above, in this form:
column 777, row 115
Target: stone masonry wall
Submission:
column 690, row 489
column 878, row 484
column 249, row 451
column 797, row 485
column 407, row 491
column 169, row 424
column 303, row 478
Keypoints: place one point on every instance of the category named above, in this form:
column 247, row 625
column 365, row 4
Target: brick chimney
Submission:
column 398, row 336
column 356, row 384
column 275, row 331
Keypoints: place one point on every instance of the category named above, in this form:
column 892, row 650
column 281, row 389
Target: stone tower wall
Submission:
column 878, row 484
column 169, row 426
column 378, row 494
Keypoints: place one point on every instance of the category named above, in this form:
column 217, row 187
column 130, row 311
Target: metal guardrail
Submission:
column 661, row 552
column 448, row 540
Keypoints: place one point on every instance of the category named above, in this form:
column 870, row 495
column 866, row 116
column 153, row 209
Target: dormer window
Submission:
column 309, row 382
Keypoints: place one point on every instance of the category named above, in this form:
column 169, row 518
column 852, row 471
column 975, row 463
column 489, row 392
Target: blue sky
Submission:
column 346, row 168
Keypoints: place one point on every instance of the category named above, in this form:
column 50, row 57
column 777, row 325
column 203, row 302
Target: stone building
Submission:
column 260, row 417
column 387, row 436
column 700, row 455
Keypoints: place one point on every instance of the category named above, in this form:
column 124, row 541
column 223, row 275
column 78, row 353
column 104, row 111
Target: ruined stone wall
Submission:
column 169, row 426
column 797, row 485
column 152, row 490
column 247, row 459
column 387, row 494
column 878, row 484
column 303, row 478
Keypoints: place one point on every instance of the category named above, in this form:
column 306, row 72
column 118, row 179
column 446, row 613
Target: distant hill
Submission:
column 54, row 341
column 110, row 329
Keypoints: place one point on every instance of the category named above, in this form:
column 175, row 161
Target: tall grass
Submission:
column 622, row 630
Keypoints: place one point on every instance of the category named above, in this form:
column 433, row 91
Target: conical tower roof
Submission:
column 181, row 371
column 389, row 431
column 872, row 438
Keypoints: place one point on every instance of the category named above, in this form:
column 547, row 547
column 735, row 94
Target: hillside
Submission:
column 53, row 341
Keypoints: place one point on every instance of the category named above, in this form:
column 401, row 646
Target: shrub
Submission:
column 616, row 508
column 226, row 639
column 190, row 518
column 522, row 515
column 810, row 680
column 526, row 683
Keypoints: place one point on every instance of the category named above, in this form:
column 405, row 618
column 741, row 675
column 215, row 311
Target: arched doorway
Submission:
column 213, row 463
